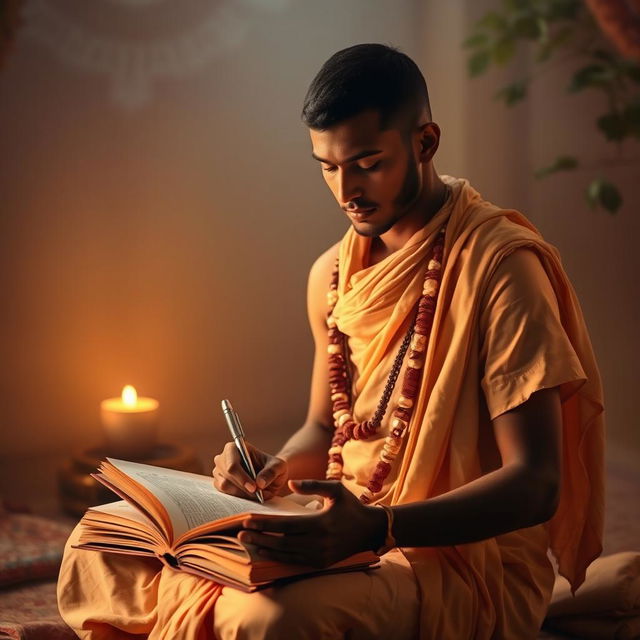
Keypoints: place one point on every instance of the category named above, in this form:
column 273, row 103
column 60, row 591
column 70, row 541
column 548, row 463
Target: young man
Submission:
column 453, row 384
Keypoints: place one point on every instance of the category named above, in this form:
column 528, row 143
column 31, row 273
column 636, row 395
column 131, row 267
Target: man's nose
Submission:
column 348, row 188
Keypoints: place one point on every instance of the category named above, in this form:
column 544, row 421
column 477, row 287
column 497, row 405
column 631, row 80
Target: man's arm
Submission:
column 521, row 493
column 306, row 450
column 525, row 490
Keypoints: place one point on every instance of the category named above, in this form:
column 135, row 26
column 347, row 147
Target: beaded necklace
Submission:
column 417, row 338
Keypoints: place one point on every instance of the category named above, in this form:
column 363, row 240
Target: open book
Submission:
column 183, row 520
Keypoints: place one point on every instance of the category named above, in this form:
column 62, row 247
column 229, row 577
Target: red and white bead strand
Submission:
column 340, row 386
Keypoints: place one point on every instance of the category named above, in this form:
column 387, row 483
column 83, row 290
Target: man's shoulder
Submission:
column 319, row 282
column 487, row 231
column 323, row 265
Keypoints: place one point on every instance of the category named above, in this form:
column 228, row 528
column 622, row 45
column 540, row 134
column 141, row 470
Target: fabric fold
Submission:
column 374, row 310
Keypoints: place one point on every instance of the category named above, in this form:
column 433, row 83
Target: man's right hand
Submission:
column 230, row 477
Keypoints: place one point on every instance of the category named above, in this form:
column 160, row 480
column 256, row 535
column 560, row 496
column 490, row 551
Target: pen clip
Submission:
column 233, row 420
column 238, row 425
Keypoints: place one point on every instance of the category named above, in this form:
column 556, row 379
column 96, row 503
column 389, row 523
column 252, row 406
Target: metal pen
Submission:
column 237, row 433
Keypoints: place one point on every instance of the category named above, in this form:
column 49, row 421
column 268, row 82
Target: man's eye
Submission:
column 371, row 168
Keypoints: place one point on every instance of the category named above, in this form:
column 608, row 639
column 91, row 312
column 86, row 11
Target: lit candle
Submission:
column 129, row 424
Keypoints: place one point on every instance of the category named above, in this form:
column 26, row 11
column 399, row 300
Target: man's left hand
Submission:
column 343, row 527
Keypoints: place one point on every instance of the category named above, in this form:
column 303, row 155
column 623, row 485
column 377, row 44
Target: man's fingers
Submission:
column 229, row 484
column 230, row 464
column 269, row 473
column 327, row 488
column 266, row 541
column 282, row 549
column 282, row 557
column 221, row 483
column 232, row 460
column 265, row 478
column 293, row 525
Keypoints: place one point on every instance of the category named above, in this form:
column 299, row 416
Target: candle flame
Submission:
column 129, row 396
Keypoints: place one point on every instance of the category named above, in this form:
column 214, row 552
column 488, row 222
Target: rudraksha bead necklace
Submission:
column 417, row 338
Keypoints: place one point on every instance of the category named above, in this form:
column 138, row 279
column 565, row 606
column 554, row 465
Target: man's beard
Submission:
column 409, row 193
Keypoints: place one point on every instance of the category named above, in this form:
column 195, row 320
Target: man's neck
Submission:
column 420, row 214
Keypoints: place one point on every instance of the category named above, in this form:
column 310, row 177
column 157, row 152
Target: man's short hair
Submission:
column 365, row 77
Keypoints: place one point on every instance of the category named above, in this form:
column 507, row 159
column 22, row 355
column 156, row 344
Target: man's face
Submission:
column 373, row 174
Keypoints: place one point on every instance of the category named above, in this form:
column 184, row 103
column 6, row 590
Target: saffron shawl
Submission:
column 497, row 587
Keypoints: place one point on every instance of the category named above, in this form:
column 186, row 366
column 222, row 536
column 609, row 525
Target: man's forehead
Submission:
column 352, row 136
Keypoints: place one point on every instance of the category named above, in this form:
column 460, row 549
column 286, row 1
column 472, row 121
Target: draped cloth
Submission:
column 108, row 596
column 487, row 353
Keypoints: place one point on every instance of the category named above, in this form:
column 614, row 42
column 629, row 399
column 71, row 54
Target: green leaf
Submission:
column 631, row 70
column 613, row 125
column 543, row 30
column 603, row 54
column 593, row 75
column 561, row 163
column 478, row 63
column 517, row 5
column 605, row 194
column 632, row 119
column 610, row 197
column 618, row 67
column 555, row 41
column 512, row 93
column 593, row 192
column 475, row 40
column 528, row 25
column 503, row 50
column 618, row 125
column 493, row 20
column 564, row 9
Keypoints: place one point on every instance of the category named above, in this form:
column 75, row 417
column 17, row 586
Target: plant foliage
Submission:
column 562, row 30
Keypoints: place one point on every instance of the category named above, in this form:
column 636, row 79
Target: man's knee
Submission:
column 73, row 538
column 270, row 614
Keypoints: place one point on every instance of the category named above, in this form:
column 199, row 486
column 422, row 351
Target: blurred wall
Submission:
column 160, row 209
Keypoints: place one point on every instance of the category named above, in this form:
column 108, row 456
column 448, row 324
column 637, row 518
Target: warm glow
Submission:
column 129, row 396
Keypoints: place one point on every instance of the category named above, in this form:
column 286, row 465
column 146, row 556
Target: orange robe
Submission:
column 507, row 324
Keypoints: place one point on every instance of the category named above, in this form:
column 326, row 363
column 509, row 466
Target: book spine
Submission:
column 169, row 560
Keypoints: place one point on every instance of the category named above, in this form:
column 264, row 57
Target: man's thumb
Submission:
column 268, row 473
column 326, row 488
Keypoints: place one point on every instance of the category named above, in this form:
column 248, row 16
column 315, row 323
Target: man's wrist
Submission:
column 379, row 528
column 390, row 540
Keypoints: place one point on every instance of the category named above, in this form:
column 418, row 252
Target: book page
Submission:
column 192, row 500
column 120, row 525
column 123, row 509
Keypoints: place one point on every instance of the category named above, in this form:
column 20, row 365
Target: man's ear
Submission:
column 429, row 141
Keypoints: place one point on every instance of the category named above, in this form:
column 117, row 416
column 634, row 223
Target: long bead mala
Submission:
column 417, row 339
